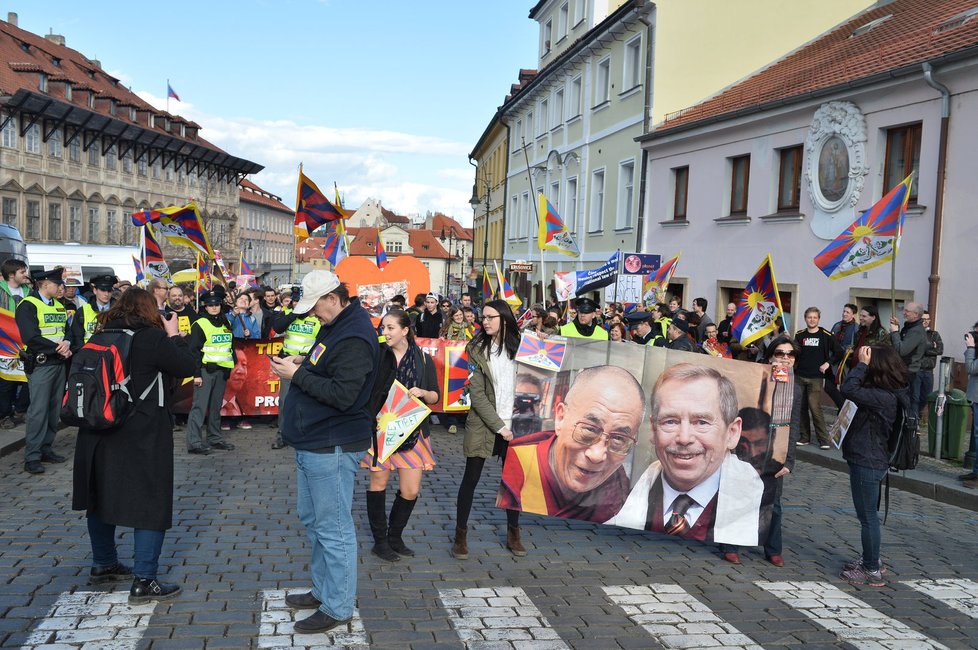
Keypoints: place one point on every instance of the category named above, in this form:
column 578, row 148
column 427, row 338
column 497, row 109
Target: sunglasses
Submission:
column 783, row 354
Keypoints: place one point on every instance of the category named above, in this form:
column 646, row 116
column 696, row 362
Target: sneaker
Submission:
column 110, row 573
column 802, row 443
column 849, row 566
column 825, row 446
column 859, row 575
column 244, row 424
column 7, row 423
column 453, row 429
column 225, row 427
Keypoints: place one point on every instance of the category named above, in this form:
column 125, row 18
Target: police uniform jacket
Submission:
column 30, row 330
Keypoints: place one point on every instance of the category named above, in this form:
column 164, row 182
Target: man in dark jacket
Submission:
column 428, row 323
column 678, row 335
column 328, row 421
column 818, row 349
column 910, row 342
column 933, row 352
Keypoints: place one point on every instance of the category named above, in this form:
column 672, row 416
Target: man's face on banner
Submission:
column 239, row 374
column 690, row 437
column 596, row 425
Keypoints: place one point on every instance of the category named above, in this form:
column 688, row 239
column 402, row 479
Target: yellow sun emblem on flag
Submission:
column 754, row 298
column 861, row 231
column 385, row 420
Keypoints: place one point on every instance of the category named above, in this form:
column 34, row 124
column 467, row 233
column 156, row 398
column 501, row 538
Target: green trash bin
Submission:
column 954, row 424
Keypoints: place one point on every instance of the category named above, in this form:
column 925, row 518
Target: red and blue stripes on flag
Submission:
column 10, row 343
column 487, row 293
column 145, row 216
column 758, row 306
column 312, row 208
column 153, row 251
column 139, row 269
column 170, row 92
column 381, row 252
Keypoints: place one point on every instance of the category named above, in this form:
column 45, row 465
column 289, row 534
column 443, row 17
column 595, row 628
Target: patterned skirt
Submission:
column 420, row 457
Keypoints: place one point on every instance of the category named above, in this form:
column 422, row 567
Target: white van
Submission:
column 93, row 260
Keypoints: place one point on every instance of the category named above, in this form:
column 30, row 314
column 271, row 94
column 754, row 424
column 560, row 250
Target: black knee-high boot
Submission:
column 400, row 513
column 377, row 515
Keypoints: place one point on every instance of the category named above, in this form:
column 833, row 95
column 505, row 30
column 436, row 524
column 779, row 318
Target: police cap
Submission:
column 638, row 317
column 104, row 282
column 211, row 298
column 586, row 305
column 55, row 275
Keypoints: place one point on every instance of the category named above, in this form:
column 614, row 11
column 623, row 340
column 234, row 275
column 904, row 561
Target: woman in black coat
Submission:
column 878, row 387
column 124, row 476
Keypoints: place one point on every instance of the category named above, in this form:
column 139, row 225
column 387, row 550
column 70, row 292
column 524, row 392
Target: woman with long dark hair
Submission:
column 878, row 385
column 869, row 332
column 416, row 370
column 124, row 476
column 492, row 388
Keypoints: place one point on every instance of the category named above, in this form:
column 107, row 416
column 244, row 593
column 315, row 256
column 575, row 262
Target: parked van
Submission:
column 92, row 260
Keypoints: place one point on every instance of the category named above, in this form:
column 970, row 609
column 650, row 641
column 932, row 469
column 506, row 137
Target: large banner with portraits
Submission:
column 649, row 438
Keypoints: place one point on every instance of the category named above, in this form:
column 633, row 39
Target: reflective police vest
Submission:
column 301, row 335
column 570, row 330
column 88, row 315
column 51, row 319
column 217, row 344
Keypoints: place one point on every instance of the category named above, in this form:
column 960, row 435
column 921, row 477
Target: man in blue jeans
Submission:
column 971, row 367
column 327, row 420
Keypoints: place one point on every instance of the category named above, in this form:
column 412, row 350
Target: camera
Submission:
column 525, row 418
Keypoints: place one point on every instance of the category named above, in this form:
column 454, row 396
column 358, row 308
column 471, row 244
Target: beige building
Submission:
column 267, row 239
column 79, row 152
column 488, row 202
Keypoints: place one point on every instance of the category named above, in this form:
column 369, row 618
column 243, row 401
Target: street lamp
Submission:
column 452, row 237
column 475, row 202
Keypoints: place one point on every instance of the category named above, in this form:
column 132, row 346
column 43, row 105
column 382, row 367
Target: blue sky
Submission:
column 385, row 98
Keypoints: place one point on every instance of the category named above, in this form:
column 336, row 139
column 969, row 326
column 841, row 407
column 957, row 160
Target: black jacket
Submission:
column 866, row 443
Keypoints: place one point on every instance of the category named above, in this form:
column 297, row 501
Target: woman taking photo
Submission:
column 487, row 431
column 878, row 387
column 124, row 476
column 416, row 370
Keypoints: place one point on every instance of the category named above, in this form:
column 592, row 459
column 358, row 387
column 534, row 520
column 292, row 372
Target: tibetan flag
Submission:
column 871, row 240
column 335, row 249
column 400, row 415
column 487, row 292
column 156, row 265
column 381, row 252
column 656, row 284
column 10, row 343
column 204, row 280
column 541, row 353
column 312, row 208
column 180, row 225
column 171, row 93
column 553, row 234
column 525, row 318
column 758, row 307
column 243, row 267
column 505, row 291
column 456, row 364
column 139, row 269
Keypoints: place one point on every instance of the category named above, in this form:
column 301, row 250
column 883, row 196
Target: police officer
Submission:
column 300, row 335
column 211, row 339
column 584, row 326
column 83, row 325
column 643, row 332
column 42, row 321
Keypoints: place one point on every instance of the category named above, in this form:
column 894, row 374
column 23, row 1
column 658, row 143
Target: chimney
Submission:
column 96, row 63
column 57, row 39
column 12, row 18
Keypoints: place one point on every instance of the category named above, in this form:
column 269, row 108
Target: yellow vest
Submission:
column 51, row 319
column 88, row 315
column 301, row 335
column 217, row 344
column 569, row 330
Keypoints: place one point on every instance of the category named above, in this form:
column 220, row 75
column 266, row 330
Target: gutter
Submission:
column 934, row 279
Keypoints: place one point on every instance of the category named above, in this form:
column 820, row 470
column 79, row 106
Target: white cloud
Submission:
column 408, row 173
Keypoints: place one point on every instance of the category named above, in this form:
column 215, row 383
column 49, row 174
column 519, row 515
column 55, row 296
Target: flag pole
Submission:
column 167, row 94
column 536, row 211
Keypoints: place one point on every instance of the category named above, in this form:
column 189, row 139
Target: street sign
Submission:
column 521, row 267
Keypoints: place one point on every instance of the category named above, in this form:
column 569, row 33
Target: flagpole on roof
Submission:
column 167, row 94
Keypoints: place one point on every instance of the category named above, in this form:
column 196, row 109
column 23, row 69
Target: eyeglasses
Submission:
column 490, row 317
column 589, row 435
column 784, row 354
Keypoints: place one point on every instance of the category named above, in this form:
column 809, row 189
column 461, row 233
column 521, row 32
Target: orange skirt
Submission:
column 420, row 457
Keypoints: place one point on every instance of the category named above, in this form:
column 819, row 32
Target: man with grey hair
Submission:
column 697, row 489
column 910, row 342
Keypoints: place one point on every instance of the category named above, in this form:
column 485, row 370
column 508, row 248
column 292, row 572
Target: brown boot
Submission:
column 460, row 549
column 513, row 541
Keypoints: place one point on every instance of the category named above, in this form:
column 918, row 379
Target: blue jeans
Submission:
column 926, row 387
column 865, row 485
column 325, row 507
column 915, row 403
column 147, row 545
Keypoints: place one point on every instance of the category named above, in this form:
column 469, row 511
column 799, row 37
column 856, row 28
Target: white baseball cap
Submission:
column 315, row 285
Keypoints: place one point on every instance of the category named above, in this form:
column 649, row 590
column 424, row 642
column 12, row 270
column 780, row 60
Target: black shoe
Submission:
column 278, row 444
column 34, row 467
column 317, row 623
column 223, row 446
column 203, row 451
column 51, row 457
column 302, row 601
column 970, row 476
column 144, row 591
column 111, row 573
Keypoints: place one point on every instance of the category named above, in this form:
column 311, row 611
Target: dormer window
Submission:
column 132, row 113
column 112, row 107
column 68, row 90
column 91, row 99
column 548, row 29
column 25, row 47
column 56, row 62
column 42, row 82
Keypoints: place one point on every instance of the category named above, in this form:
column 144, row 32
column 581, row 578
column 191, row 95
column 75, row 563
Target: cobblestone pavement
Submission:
column 237, row 548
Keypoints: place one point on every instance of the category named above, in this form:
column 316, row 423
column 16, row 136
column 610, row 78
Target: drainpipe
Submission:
column 934, row 278
column 645, row 13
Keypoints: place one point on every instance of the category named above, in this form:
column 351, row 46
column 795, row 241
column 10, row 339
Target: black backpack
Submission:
column 97, row 396
column 904, row 442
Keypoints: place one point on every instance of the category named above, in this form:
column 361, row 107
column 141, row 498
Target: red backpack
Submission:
column 97, row 396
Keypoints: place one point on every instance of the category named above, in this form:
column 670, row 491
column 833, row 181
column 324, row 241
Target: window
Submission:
column 632, row 75
column 10, row 133
column 602, row 82
column 574, row 105
column 33, row 139
column 54, row 221
column 548, row 29
column 789, row 183
column 557, row 114
column 54, row 144
column 517, row 135
column 596, row 222
column 33, row 219
column 529, row 125
column 570, row 204
column 681, row 177
column 156, row 169
column 511, row 222
column 75, row 223
column 93, row 158
column 396, row 246
column 902, row 157
column 111, row 227
column 554, row 196
column 74, row 150
column 168, row 172
column 127, row 162
column 562, row 18
column 10, row 212
column 110, row 158
column 542, row 116
column 130, row 235
column 578, row 11
column 94, row 225
column 739, row 179
column 626, row 193
column 141, row 166
column 524, row 215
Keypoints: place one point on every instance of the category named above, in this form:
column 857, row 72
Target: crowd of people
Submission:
column 331, row 353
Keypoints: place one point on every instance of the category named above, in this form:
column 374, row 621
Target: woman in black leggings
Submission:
column 492, row 379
